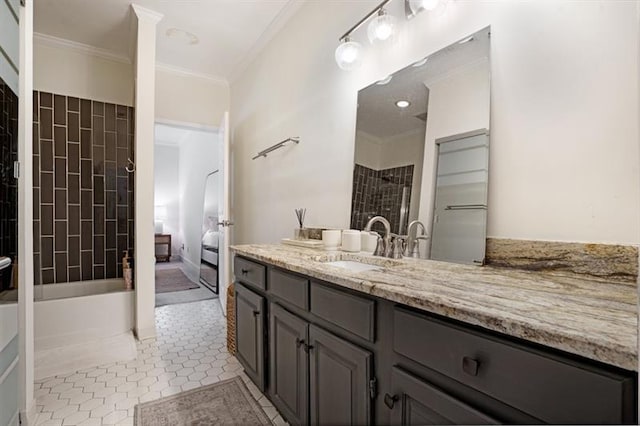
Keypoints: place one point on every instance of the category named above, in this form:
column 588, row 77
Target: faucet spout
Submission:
column 413, row 244
column 386, row 240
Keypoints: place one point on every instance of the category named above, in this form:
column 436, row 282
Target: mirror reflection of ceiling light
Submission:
column 384, row 81
column 348, row 55
column 420, row 63
column 402, row 104
column 185, row 36
column 381, row 28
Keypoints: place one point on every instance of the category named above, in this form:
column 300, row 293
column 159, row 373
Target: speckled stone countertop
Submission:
column 593, row 318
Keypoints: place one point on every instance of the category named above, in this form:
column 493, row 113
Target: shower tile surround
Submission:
column 376, row 192
column 83, row 196
column 8, row 184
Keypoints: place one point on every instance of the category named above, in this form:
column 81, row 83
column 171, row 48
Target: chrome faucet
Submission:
column 384, row 243
column 412, row 248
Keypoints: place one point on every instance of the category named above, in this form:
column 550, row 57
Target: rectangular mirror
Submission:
column 210, row 234
column 422, row 152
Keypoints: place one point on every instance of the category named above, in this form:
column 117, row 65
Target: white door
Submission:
column 224, row 213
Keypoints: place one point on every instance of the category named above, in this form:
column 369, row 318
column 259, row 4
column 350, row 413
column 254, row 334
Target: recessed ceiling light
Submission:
column 384, row 80
column 185, row 36
column 403, row 104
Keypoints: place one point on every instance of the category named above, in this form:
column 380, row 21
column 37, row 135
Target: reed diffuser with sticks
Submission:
column 301, row 233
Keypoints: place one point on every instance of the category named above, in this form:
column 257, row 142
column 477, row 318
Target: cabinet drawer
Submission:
column 352, row 313
column 415, row 401
column 545, row 385
column 290, row 288
column 250, row 272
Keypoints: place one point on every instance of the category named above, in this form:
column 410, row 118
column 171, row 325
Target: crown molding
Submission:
column 52, row 41
column 172, row 69
column 147, row 14
column 267, row 35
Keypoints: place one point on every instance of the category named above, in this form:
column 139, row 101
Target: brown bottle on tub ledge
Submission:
column 127, row 270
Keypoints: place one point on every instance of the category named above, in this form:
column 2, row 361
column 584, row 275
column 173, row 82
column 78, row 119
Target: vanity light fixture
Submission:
column 348, row 52
column 348, row 55
column 413, row 7
column 402, row 104
column 466, row 40
column 381, row 29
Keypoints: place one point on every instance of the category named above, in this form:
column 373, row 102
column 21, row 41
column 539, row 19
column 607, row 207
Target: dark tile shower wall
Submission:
column 379, row 192
column 83, row 195
column 8, row 184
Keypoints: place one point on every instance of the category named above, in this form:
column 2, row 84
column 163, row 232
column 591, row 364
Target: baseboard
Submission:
column 146, row 333
column 28, row 416
column 191, row 270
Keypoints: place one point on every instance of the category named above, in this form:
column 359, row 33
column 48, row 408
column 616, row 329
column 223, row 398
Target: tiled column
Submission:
column 145, row 65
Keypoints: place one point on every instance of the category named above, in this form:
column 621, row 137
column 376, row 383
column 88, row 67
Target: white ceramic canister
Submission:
column 351, row 240
column 331, row 238
column 368, row 241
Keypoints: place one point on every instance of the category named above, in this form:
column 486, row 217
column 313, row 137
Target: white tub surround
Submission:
column 80, row 332
column 145, row 65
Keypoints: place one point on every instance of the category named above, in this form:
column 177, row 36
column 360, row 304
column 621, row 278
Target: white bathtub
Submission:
column 82, row 325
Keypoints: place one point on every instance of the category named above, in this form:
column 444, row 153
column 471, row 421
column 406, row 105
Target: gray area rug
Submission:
column 168, row 280
column 224, row 403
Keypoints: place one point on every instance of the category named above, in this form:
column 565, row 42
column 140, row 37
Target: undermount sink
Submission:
column 354, row 266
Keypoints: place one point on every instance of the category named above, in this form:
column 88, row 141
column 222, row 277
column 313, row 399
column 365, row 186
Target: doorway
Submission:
column 185, row 158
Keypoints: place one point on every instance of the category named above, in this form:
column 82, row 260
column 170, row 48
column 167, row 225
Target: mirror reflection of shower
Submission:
column 210, row 234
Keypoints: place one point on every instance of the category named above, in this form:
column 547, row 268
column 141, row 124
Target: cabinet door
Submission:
column 289, row 365
column 339, row 380
column 415, row 402
column 250, row 333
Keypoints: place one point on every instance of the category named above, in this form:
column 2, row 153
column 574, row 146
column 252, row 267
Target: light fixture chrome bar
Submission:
column 264, row 152
column 363, row 20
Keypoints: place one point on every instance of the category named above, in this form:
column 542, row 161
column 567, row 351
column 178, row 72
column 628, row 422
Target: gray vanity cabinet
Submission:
column 289, row 364
column 316, row 377
column 414, row 401
column 250, row 320
column 340, row 377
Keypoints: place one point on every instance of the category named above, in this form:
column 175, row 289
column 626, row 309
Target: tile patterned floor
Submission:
column 189, row 351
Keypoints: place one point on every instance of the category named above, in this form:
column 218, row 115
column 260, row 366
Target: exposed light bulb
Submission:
column 348, row 54
column 437, row 6
column 381, row 28
column 430, row 5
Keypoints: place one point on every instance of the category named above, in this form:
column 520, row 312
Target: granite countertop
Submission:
column 593, row 318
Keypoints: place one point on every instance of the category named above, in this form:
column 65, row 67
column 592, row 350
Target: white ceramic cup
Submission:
column 351, row 240
column 368, row 242
column 331, row 238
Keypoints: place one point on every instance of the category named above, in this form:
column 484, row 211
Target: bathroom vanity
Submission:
column 426, row 342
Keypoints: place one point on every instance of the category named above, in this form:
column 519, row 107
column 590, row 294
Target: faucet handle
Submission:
column 398, row 246
column 380, row 246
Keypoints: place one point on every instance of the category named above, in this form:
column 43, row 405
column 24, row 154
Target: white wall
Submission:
column 564, row 143
column 190, row 98
column 198, row 157
column 74, row 72
column 458, row 102
column 167, row 191
column 10, row 43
